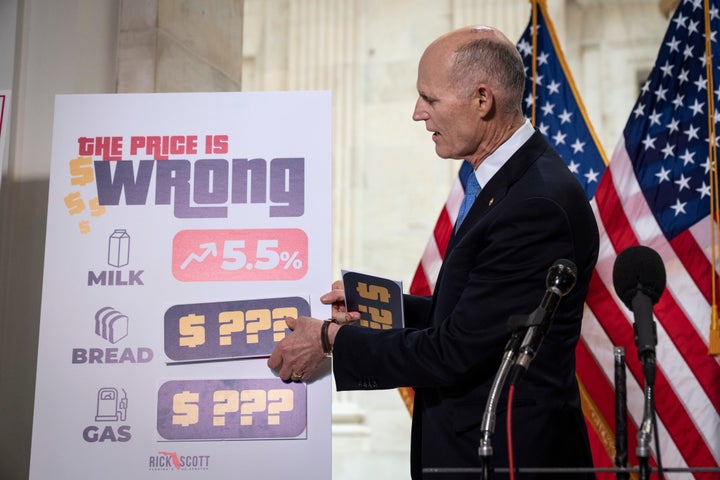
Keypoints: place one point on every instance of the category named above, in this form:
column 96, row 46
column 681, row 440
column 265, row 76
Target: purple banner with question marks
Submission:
column 236, row 329
column 232, row 409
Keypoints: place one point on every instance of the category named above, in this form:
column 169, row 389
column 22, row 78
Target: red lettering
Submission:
column 136, row 143
column 109, row 148
column 183, row 145
column 216, row 144
column 161, row 147
column 220, row 144
column 86, row 146
column 154, row 147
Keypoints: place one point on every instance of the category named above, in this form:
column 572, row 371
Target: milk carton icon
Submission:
column 119, row 248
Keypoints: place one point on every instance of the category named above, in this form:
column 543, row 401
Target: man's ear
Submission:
column 486, row 100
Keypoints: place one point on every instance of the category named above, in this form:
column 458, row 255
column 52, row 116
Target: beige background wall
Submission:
column 388, row 186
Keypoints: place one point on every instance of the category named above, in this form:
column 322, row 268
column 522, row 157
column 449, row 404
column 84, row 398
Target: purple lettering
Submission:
column 110, row 188
column 175, row 175
column 193, row 187
column 96, row 355
column 287, row 185
column 79, row 355
column 135, row 277
column 249, row 175
column 96, row 279
column 127, row 356
column 111, row 355
column 211, row 182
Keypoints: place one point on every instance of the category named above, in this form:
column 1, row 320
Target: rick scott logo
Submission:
column 168, row 461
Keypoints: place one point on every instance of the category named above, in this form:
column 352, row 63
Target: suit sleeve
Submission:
column 416, row 310
column 498, row 271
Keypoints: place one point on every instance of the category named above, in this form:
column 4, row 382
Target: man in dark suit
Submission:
column 530, row 212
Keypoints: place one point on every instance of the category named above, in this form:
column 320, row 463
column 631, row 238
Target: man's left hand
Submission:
column 298, row 354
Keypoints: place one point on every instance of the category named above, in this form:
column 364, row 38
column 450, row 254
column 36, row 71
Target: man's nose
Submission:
column 419, row 113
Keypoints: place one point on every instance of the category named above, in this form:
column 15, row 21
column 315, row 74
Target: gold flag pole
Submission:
column 533, row 61
column 714, row 334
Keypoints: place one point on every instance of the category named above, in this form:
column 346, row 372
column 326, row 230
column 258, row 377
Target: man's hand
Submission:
column 336, row 298
column 298, row 354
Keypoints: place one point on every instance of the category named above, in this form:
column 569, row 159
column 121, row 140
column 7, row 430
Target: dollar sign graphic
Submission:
column 95, row 208
column 185, row 408
column 81, row 171
column 74, row 203
column 373, row 292
column 192, row 330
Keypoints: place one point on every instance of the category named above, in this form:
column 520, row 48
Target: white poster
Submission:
column 182, row 230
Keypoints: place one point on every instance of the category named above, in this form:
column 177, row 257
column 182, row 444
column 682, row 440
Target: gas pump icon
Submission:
column 110, row 406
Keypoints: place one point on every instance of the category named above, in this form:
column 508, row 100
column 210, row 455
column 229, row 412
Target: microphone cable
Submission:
column 658, row 457
column 560, row 279
column 508, row 427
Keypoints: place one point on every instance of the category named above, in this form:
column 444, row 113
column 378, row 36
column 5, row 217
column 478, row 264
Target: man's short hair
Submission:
column 492, row 61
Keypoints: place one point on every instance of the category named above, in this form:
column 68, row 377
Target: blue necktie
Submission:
column 471, row 191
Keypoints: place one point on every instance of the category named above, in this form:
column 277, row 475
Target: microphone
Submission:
column 560, row 280
column 639, row 280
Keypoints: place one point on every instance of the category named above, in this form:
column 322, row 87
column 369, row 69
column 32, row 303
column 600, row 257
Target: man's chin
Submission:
column 445, row 154
column 440, row 152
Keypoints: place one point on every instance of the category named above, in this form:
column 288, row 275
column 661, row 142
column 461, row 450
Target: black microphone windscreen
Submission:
column 638, row 268
column 562, row 276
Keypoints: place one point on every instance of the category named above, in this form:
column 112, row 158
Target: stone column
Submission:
column 667, row 7
column 179, row 45
column 323, row 39
column 502, row 14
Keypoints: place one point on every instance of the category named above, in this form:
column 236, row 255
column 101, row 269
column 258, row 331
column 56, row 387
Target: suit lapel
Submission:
column 492, row 194
column 496, row 189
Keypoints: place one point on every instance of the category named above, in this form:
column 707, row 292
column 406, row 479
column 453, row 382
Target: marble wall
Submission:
column 179, row 46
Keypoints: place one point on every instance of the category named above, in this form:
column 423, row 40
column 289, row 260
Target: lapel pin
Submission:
column 492, row 200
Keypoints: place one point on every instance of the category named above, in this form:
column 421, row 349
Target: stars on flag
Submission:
column 668, row 127
column 558, row 115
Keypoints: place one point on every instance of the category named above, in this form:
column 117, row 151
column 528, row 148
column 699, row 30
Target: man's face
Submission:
column 452, row 116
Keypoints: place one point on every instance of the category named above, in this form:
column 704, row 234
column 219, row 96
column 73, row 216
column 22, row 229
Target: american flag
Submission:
column 555, row 107
column 656, row 192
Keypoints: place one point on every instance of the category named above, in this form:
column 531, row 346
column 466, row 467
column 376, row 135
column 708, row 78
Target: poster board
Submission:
column 182, row 229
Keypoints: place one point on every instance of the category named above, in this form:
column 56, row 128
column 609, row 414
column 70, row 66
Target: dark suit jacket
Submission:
column 531, row 213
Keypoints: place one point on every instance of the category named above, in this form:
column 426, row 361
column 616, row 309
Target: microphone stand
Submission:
column 621, row 453
column 644, row 435
column 488, row 422
column 527, row 334
column 646, row 340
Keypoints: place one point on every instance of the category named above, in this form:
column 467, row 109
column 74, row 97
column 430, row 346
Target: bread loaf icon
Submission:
column 111, row 324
